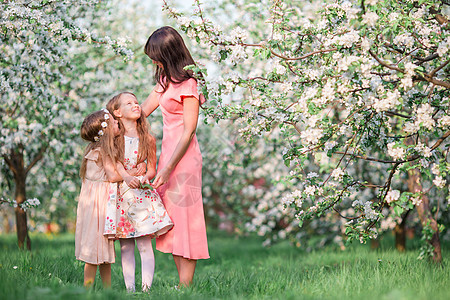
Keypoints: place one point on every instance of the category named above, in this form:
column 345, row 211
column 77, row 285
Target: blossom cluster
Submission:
column 343, row 84
column 27, row 204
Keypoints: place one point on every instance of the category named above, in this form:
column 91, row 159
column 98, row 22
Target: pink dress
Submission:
column 91, row 245
column 182, row 194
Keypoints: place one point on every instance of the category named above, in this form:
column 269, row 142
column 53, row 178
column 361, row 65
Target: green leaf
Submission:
column 287, row 162
column 398, row 210
column 145, row 186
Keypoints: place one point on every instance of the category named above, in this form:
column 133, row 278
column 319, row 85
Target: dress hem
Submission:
column 184, row 256
column 155, row 234
column 95, row 263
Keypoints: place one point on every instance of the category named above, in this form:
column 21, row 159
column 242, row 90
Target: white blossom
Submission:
column 370, row 18
column 397, row 153
column 424, row 116
column 337, row 174
column 440, row 182
column 392, row 196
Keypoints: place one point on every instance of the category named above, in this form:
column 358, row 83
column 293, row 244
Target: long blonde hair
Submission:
column 147, row 143
column 90, row 127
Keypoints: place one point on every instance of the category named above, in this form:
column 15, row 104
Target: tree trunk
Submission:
column 21, row 215
column 425, row 215
column 17, row 166
column 6, row 226
column 374, row 244
column 400, row 237
column 400, row 233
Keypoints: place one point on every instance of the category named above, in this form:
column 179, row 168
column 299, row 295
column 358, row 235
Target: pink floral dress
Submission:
column 138, row 212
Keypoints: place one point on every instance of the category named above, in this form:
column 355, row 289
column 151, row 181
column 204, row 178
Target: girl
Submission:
column 97, row 170
column 140, row 212
column 179, row 178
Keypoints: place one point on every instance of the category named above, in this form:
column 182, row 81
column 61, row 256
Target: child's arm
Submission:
column 111, row 173
column 131, row 181
column 139, row 170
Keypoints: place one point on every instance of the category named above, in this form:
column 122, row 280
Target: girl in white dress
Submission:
column 140, row 214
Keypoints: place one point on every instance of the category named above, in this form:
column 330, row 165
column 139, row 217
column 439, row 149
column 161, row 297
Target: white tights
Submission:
column 145, row 247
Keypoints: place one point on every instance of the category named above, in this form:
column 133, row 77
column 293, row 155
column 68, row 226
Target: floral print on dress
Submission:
column 138, row 212
column 111, row 208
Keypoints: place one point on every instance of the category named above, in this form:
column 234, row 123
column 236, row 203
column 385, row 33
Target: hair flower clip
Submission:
column 106, row 116
column 104, row 124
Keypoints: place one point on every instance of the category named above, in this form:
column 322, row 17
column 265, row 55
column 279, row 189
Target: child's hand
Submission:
column 146, row 179
column 132, row 182
column 141, row 169
column 132, row 172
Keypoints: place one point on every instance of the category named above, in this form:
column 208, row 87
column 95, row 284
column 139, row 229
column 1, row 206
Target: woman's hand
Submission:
column 132, row 182
column 162, row 177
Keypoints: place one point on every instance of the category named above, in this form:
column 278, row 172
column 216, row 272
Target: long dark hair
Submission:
column 165, row 45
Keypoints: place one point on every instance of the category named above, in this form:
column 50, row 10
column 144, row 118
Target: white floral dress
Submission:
column 133, row 213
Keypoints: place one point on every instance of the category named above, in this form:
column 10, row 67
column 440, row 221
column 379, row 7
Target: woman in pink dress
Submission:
column 179, row 174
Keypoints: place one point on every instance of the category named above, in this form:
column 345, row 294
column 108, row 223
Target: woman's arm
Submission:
column 151, row 103
column 190, row 118
column 151, row 167
column 110, row 171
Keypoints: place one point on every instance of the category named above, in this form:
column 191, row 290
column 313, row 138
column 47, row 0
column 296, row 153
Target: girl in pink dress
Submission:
column 179, row 175
column 97, row 171
column 140, row 214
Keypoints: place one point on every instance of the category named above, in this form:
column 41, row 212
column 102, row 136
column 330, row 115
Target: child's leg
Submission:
column 89, row 274
column 145, row 247
column 105, row 274
column 128, row 263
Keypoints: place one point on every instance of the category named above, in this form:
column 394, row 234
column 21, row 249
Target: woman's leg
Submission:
column 128, row 263
column 186, row 269
column 89, row 274
column 105, row 274
column 145, row 247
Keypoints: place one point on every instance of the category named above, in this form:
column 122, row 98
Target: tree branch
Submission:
column 367, row 158
column 10, row 164
column 384, row 63
column 36, row 159
column 391, row 113
column 440, row 140
column 434, row 81
column 439, row 68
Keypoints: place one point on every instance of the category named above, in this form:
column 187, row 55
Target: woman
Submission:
column 179, row 174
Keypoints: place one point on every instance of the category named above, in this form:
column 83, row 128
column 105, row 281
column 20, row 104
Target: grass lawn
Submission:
column 239, row 268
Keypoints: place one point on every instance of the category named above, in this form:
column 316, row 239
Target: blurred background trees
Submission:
column 321, row 113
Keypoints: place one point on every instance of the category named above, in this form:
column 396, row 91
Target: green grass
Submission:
column 239, row 268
